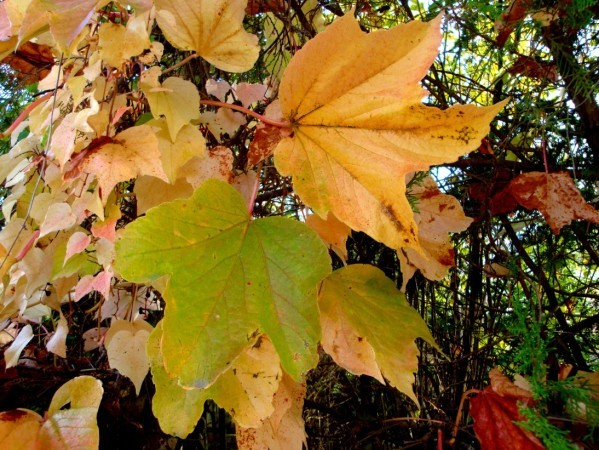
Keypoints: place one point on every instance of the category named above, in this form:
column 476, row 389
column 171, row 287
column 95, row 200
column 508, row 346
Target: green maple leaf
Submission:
column 230, row 278
column 369, row 327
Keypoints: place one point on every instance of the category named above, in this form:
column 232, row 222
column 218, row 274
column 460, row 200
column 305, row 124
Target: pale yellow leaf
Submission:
column 188, row 144
column 59, row 217
column 13, row 353
column 211, row 28
column 246, row 390
column 176, row 99
column 284, row 429
column 131, row 153
column 65, row 18
column 119, row 43
column 57, row 344
column 359, row 125
column 125, row 344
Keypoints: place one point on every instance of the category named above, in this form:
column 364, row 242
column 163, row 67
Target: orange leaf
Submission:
column 555, row 195
column 359, row 125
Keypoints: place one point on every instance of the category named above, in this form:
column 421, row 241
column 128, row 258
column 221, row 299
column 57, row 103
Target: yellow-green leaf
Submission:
column 176, row 99
column 230, row 278
column 359, row 305
column 212, row 28
column 178, row 410
column 360, row 127
column 246, row 390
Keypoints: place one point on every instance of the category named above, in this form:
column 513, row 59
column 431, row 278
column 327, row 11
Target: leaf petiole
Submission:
column 249, row 112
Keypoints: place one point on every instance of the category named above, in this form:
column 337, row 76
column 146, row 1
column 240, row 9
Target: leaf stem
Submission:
column 180, row 63
column 456, row 426
column 24, row 114
column 249, row 112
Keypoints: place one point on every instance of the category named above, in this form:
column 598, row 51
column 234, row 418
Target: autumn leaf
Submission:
column 118, row 43
column 359, row 126
column 150, row 192
column 178, row 410
column 534, row 68
column 510, row 18
column 260, row 6
column 245, row 390
column 284, row 429
column 212, row 28
column 65, row 18
column 494, row 425
column 189, row 143
column 13, row 352
column 130, row 153
column 248, row 277
column 495, row 410
column 176, row 99
column 125, row 344
column 31, row 62
column 438, row 214
column 62, row 428
column 333, row 232
column 218, row 165
column 555, row 195
column 368, row 326
column 266, row 137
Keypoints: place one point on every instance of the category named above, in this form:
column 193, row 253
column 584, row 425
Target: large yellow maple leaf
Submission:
column 353, row 101
column 212, row 28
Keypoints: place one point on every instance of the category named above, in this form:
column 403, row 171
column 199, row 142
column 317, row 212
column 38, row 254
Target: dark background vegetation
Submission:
column 539, row 316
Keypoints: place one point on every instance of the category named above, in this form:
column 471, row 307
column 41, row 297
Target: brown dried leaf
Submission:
column 31, row 62
column 510, row 18
column 555, row 195
column 534, row 68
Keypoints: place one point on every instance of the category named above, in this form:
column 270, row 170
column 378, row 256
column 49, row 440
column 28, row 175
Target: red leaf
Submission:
column 260, row 6
column 510, row 18
column 555, row 195
column 494, row 426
